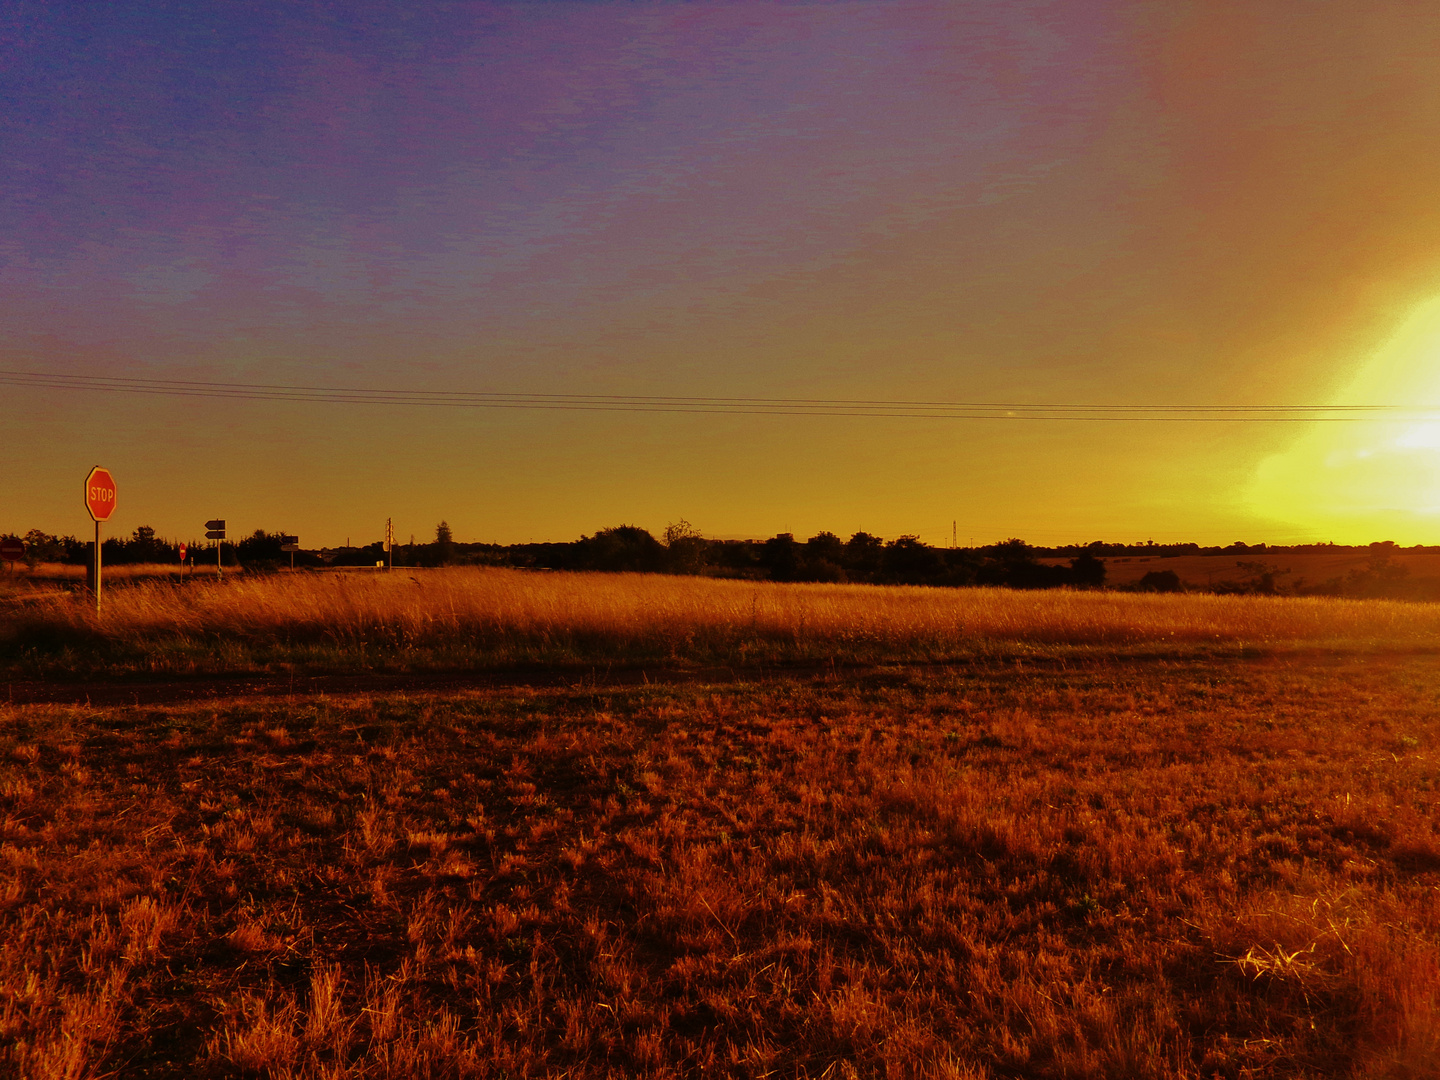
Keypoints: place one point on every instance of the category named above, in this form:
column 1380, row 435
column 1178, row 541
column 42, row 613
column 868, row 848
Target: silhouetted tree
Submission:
column 43, row 547
column 1087, row 572
column 1011, row 553
column 685, row 548
column 780, row 557
column 822, row 558
column 825, row 545
column 444, row 544
column 1010, row 562
column 907, row 561
column 863, row 556
column 140, row 547
column 738, row 558
column 962, row 566
column 261, row 548
column 147, row 548
column 1167, row 581
column 623, row 548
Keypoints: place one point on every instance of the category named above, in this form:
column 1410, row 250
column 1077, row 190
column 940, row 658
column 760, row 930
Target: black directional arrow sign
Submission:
column 215, row 530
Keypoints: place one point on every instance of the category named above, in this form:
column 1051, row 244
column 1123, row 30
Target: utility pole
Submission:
column 952, row 535
column 390, row 544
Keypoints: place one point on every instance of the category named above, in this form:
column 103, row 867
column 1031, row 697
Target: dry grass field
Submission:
column 18, row 576
column 1421, row 569
column 502, row 618
column 1119, row 836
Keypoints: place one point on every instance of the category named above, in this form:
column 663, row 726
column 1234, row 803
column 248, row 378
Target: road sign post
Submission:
column 215, row 530
column 100, row 502
column 182, row 550
column 290, row 544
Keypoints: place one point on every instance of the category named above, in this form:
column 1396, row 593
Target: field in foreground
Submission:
column 1088, row 867
column 507, row 619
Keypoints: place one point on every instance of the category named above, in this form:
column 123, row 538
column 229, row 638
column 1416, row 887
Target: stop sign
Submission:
column 100, row 494
column 182, row 549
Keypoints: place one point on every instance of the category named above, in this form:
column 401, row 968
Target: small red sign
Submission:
column 12, row 550
column 100, row 494
column 182, row 552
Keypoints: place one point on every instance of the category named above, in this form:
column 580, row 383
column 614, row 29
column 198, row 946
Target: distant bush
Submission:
column 1161, row 581
column 1087, row 572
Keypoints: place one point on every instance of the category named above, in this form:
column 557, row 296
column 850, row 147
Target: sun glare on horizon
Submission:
column 1368, row 480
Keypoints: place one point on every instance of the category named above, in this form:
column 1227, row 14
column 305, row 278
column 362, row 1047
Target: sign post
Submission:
column 290, row 544
column 182, row 550
column 12, row 551
column 100, row 502
column 215, row 530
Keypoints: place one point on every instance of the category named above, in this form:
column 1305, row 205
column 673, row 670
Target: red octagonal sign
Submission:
column 100, row 494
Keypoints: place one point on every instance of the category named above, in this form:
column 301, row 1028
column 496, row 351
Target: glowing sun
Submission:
column 1354, row 481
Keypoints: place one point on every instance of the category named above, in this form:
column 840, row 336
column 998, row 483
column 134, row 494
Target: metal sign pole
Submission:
column 215, row 530
column 100, row 503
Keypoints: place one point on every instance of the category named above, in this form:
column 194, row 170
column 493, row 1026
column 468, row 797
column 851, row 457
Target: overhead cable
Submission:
column 748, row 406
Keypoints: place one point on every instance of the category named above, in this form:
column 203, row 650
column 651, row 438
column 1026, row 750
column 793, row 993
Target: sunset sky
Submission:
column 1116, row 204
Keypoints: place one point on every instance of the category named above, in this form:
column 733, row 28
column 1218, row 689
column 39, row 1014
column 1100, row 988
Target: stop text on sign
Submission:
column 100, row 494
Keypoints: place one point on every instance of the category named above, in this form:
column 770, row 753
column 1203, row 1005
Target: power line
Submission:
column 750, row 406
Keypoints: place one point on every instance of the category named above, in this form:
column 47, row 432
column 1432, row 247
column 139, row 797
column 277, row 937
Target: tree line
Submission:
column 904, row 560
column 824, row 557
column 261, row 549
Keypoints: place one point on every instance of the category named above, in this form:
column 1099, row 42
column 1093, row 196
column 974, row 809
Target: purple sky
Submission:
column 1149, row 203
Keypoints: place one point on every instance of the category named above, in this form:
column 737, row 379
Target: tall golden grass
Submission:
column 507, row 615
column 19, row 574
